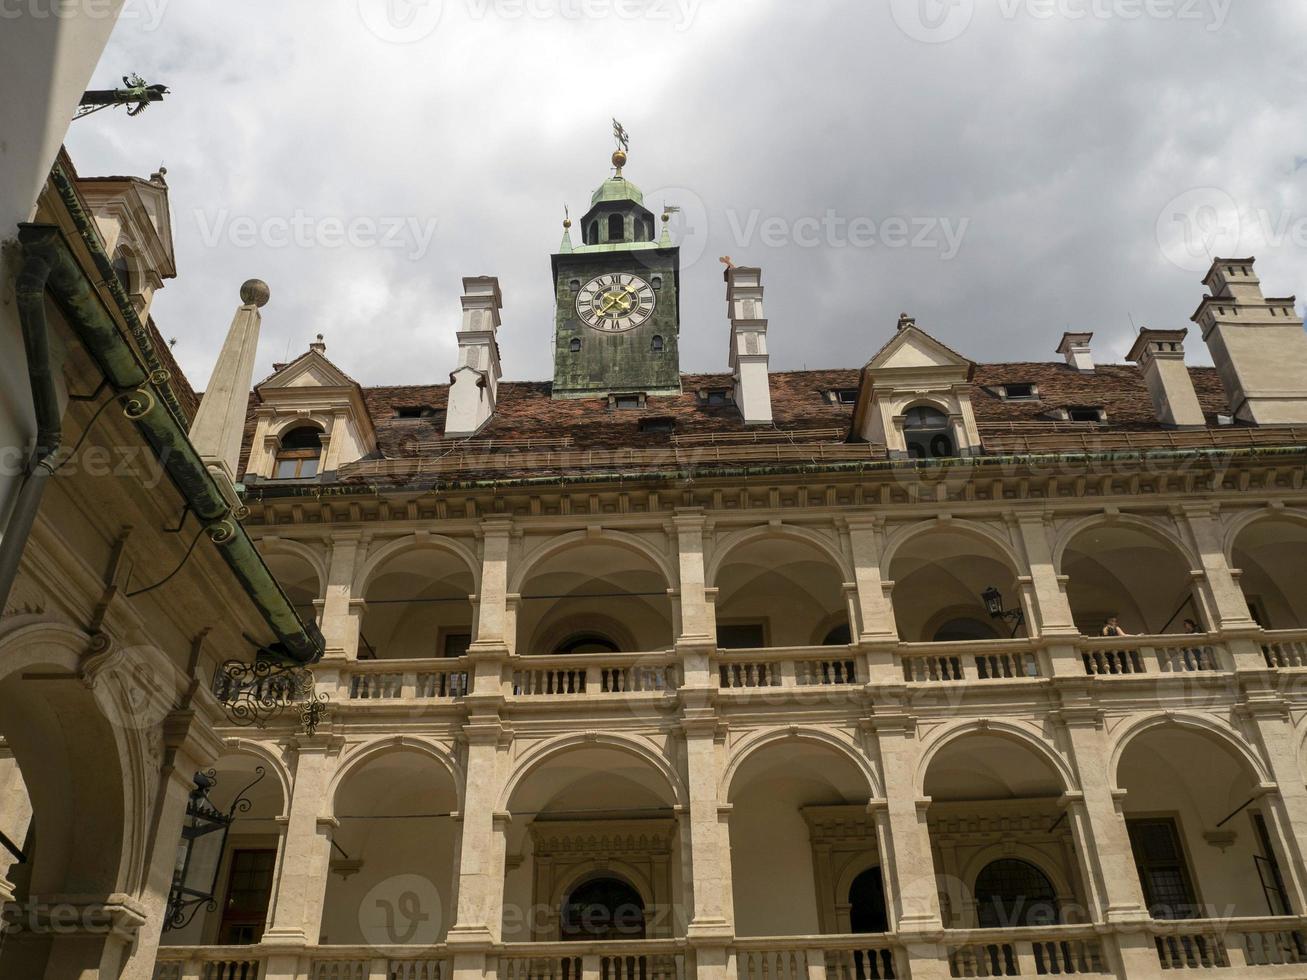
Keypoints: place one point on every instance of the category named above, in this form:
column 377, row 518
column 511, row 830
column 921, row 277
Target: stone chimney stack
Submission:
column 474, row 385
column 219, row 424
column 1160, row 355
column 748, row 357
column 1257, row 344
column 1075, row 348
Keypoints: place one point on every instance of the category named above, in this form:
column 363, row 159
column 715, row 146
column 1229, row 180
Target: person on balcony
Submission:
column 1113, row 628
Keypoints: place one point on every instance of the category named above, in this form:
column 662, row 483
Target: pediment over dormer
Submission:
column 911, row 348
column 310, row 370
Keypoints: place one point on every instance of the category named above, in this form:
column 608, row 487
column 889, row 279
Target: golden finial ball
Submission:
column 567, row 222
column 619, row 159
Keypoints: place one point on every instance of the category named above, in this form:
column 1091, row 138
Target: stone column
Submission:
column 1226, row 607
column 296, row 915
column 873, row 629
column 696, row 641
column 15, row 816
column 482, row 847
column 1047, row 593
column 1107, row 862
column 492, row 599
column 190, row 746
column 903, row 840
column 342, row 611
column 1267, row 715
column 709, row 873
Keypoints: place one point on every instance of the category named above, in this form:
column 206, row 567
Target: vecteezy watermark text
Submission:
column 303, row 230
column 834, row 230
column 938, row 21
column 147, row 13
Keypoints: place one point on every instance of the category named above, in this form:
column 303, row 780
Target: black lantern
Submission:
column 199, row 852
column 993, row 600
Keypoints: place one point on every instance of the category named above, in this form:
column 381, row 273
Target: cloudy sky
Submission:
column 1004, row 170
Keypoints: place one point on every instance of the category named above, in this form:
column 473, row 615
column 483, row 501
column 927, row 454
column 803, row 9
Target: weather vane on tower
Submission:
column 623, row 139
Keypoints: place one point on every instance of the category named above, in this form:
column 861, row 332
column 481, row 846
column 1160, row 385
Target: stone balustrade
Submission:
column 1285, row 648
column 976, row 660
column 572, row 675
column 1121, row 656
column 788, row 667
column 390, row 680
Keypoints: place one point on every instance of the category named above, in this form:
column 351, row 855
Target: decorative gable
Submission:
column 310, row 392
column 135, row 224
column 915, row 397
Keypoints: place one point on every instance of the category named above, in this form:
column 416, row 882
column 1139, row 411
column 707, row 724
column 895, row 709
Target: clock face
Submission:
column 615, row 302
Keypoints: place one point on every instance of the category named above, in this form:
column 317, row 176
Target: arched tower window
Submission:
column 602, row 908
column 299, row 454
column 657, row 345
column 926, row 432
column 592, row 233
column 1011, row 894
column 616, row 228
column 575, row 345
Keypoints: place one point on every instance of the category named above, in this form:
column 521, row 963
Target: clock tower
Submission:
column 617, row 322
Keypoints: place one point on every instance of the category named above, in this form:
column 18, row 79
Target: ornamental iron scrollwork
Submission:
column 254, row 693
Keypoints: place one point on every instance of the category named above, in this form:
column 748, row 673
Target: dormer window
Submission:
column 843, row 396
column 1019, row 391
column 299, row 454
column 926, row 431
column 717, row 397
column 415, row 412
column 626, row 402
column 1085, row 413
column 662, row 425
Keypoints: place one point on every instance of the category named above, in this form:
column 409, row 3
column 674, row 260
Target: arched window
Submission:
column 965, row 628
column 588, row 643
column 575, row 345
column 122, row 270
column 592, row 233
column 298, row 454
column 840, row 636
column 616, row 228
column 926, row 431
column 867, row 903
column 1011, row 894
column 657, row 345
column 602, row 908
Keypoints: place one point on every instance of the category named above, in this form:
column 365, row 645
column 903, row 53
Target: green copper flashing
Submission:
column 617, row 189
column 148, row 404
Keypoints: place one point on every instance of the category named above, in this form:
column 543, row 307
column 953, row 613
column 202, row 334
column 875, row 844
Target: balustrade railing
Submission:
column 1121, row 656
column 315, row 963
column 832, row 666
column 802, row 957
column 1052, row 951
column 1271, row 948
column 978, row 660
column 636, row 960
column 570, row 675
column 391, row 680
column 1285, row 648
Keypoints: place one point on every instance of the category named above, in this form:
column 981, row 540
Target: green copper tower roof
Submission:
column 617, row 188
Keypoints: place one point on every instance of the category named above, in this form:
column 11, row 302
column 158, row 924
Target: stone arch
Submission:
column 856, row 868
column 280, row 426
column 1206, row 726
column 1018, row 851
column 312, row 557
column 756, row 741
column 1147, row 526
column 274, row 763
column 793, row 532
column 413, row 542
column 1268, row 547
column 907, row 533
column 566, row 542
column 609, row 868
column 608, row 626
column 1018, row 733
column 377, row 748
column 1248, row 518
column 635, row 746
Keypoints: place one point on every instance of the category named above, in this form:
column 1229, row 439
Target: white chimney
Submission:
column 219, row 423
column 748, row 357
column 1160, row 355
column 1075, row 348
column 474, row 385
column 1257, row 344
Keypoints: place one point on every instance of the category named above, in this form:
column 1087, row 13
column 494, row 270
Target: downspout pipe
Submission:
column 145, row 403
column 29, row 291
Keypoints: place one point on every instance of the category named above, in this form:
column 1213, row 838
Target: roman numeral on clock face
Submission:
column 616, row 302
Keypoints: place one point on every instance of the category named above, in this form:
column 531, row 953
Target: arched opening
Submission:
column 574, row 345
column 418, row 604
column 394, row 852
column 122, row 270
column 1117, row 571
column 657, row 344
column 867, row 911
column 594, row 835
column 299, row 453
column 1012, row 894
column 939, row 579
column 798, row 827
column 616, row 228
column 69, row 748
column 248, row 865
column 1271, row 555
column 598, row 597
column 298, row 579
column 602, row 909
column 1206, row 841
column 778, row 592
column 592, row 233
column 928, row 433
column 995, row 798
